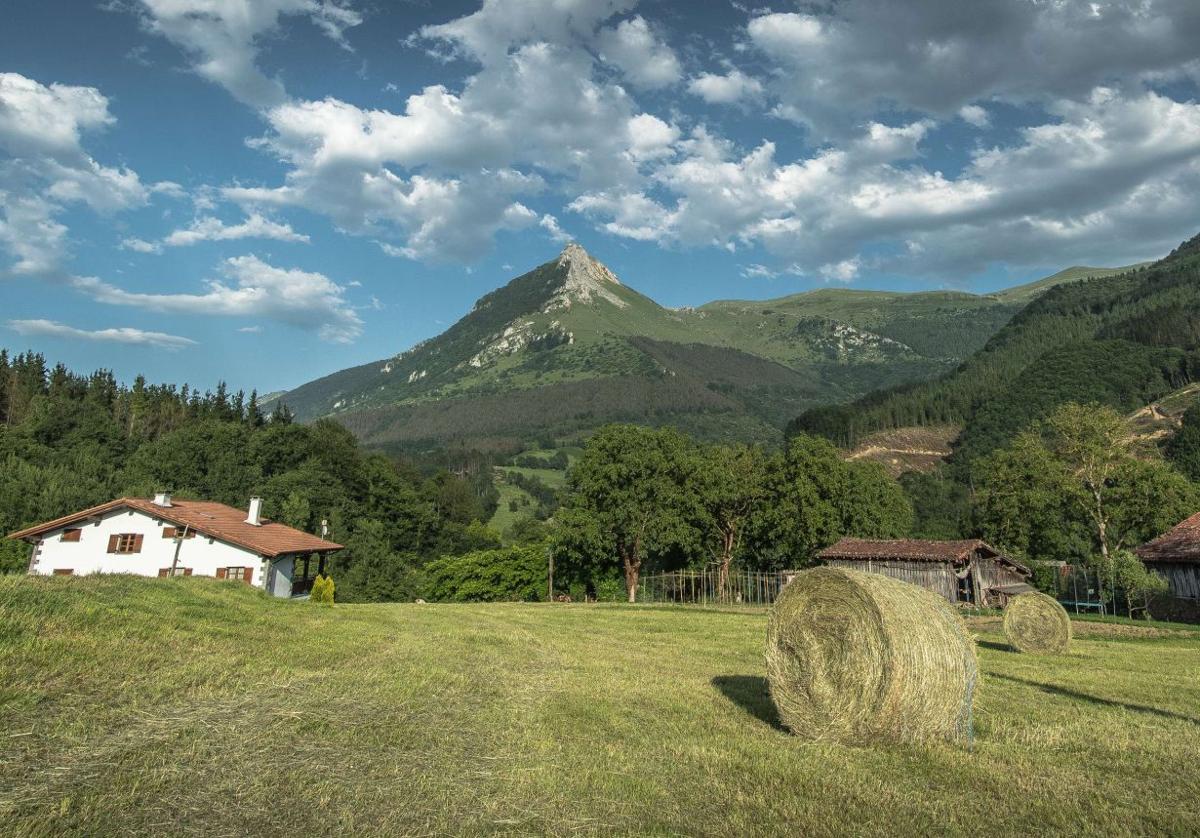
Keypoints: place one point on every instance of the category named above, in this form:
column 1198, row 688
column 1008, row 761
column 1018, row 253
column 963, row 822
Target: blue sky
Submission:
column 265, row 192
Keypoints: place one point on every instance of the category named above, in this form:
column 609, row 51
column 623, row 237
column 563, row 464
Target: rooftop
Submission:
column 215, row 520
column 906, row 549
column 1180, row 544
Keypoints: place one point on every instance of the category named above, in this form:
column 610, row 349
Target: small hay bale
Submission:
column 861, row 657
column 1034, row 622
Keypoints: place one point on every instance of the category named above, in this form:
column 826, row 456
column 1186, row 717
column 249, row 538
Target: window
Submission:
column 126, row 542
column 71, row 535
column 172, row 532
column 179, row 571
column 63, row 571
column 242, row 574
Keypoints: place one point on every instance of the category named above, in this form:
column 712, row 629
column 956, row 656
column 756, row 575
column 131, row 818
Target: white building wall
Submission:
column 90, row 554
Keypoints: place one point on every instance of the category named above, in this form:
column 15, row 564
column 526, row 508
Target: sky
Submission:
column 267, row 191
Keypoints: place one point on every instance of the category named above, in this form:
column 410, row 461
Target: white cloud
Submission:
column 728, row 89
column 137, row 337
column 757, row 271
column 448, row 173
column 645, row 60
column 502, row 26
column 251, row 330
column 256, row 226
column 550, row 224
column 833, row 67
column 47, row 168
column 140, row 245
column 975, row 115
column 222, row 37
column 1111, row 179
column 304, row 299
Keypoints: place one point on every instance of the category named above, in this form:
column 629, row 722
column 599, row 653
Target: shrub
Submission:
column 322, row 590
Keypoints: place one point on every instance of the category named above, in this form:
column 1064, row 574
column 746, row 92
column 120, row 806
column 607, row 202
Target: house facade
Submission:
column 1175, row 556
column 967, row 572
column 166, row 537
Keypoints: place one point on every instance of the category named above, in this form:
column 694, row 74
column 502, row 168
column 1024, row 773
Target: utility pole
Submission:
column 179, row 537
column 550, row 572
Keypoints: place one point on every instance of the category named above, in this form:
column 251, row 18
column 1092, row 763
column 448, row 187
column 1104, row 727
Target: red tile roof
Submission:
column 906, row 549
column 207, row 518
column 1181, row 544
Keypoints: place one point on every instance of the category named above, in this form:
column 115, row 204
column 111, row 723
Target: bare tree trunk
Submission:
column 728, row 539
column 632, row 566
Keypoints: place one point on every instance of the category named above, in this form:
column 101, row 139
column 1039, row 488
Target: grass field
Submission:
column 193, row 706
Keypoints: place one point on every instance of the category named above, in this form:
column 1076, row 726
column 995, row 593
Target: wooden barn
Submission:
column 966, row 572
column 1175, row 556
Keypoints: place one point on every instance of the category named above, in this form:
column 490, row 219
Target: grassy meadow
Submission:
column 193, row 706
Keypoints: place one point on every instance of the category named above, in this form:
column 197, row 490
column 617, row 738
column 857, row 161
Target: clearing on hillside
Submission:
column 192, row 706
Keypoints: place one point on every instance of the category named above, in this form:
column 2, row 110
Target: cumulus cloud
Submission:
column 1067, row 186
column 137, row 337
column 449, row 172
column 646, row 61
column 936, row 56
column 728, row 89
column 221, row 36
column 251, row 288
column 256, row 226
column 975, row 115
column 47, row 169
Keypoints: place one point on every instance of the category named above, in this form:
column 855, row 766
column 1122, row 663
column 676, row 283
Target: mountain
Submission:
column 567, row 346
column 1125, row 340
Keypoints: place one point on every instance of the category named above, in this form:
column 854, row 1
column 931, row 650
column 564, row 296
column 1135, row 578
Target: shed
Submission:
column 1175, row 556
column 968, row 572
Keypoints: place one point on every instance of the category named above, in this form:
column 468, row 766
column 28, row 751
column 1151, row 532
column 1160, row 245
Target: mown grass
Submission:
column 199, row 707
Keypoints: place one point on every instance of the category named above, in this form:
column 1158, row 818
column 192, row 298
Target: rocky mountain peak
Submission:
column 584, row 279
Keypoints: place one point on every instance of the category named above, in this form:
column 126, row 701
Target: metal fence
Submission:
column 704, row 587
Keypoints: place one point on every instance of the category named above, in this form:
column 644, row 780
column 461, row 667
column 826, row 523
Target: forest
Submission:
column 635, row 500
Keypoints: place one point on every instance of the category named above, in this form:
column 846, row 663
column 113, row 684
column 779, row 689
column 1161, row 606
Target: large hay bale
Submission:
column 862, row 657
column 1034, row 622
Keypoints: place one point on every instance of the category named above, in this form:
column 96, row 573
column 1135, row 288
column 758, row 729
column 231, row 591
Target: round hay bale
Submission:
column 861, row 657
column 1034, row 622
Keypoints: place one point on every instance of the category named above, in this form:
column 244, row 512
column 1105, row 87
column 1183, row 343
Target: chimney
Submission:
column 162, row 499
column 254, row 516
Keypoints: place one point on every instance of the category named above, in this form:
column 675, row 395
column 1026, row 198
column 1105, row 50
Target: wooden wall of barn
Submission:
column 994, row 573
column 1183, row 577
column 934, row 576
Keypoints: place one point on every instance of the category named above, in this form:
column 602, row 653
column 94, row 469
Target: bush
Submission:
column 516, row 573
column 322, row 590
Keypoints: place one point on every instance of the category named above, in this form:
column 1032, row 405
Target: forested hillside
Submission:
column 565, row 348
column 68, row 442
column 1122, row 341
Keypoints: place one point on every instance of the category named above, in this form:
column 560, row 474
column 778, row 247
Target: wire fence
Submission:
column 705, row 587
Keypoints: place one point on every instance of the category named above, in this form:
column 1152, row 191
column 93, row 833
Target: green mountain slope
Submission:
column 1123, row 340
column 566, row 347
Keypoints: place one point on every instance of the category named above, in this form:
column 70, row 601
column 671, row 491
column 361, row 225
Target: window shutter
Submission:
column 187, row 571
column 249, row 575
column 137, row 543
column 70, row 535
column 168, row 532
column 112, row 543
column 163, row 571
column 221, row 572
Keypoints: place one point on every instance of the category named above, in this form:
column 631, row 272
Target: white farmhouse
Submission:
column 165, row 537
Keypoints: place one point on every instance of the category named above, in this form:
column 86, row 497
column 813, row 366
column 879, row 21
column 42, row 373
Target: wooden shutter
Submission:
column 248, row 575
column 164, row 571
column 168, row 532
column 221, row 572
column 64, row 571
column 187, row 571
column 137, row 543
column 112, row 543
column 71, row 535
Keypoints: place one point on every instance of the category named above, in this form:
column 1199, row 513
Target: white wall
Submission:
column 90, row 554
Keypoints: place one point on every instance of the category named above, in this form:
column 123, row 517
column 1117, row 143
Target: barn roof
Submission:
column 215, row 520
column 909, row 549
column 1181, row 544
column 914, row 550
